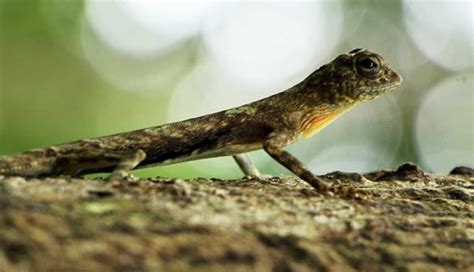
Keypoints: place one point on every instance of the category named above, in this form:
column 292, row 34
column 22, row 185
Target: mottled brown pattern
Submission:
column 270, row 123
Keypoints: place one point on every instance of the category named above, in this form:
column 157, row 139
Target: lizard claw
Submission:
column 122, row 176
column 347, row 192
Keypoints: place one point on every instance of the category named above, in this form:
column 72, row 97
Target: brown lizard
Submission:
column 270, row 123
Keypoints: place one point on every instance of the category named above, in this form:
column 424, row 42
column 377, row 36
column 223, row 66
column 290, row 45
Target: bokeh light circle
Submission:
column 143, row 28
column 174, row 19
column 348, row 158
column 443, row 31
column 135, row 75
column 445, row 125
column 261, row 42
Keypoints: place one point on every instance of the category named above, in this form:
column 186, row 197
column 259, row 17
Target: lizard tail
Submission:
column 24, row 165
column 6, row 168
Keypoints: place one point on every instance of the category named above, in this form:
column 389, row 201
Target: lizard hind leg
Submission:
column 126, row 164
column 246, row 165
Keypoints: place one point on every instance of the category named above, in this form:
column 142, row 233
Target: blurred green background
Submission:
column 78, row 69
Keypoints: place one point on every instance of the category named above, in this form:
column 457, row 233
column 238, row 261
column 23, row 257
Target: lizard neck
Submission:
column 315, row 121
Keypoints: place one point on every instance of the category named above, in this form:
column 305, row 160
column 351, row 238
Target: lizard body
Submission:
column 270, row 123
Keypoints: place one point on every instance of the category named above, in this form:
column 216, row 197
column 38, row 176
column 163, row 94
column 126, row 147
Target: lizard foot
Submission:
column 122, row 176
column 347, row 192
column 259, row 176
column 127, row 163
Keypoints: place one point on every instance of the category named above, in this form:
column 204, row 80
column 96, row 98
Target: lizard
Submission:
column 269, row 124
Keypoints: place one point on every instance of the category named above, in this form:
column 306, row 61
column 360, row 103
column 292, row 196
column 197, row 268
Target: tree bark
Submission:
column 409, row 220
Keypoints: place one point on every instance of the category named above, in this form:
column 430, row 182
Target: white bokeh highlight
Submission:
column 348, row 158
column 443, row 31
column 445, row 125
column 176, row 20
column 143, row 28
column 134, row 75
column 271, row 43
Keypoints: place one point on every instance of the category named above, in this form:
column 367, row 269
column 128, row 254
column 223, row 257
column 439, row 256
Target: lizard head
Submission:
column 354, row 77
column 364, row 75
column 350, row 79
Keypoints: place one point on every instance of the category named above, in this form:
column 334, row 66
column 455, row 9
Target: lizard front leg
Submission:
column 127, row 163
column 246, row 165
column 274, row 146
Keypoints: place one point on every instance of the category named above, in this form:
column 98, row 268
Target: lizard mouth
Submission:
column 390, row 87
column 370, row 93
column 381, row 88
column 394, row 80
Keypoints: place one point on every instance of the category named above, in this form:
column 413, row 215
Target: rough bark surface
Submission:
column 409, row 221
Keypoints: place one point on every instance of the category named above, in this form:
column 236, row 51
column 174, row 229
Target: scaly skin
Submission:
column 270, row 123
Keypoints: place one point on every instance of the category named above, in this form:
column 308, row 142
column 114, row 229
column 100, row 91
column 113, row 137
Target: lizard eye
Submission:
column 368, row 66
